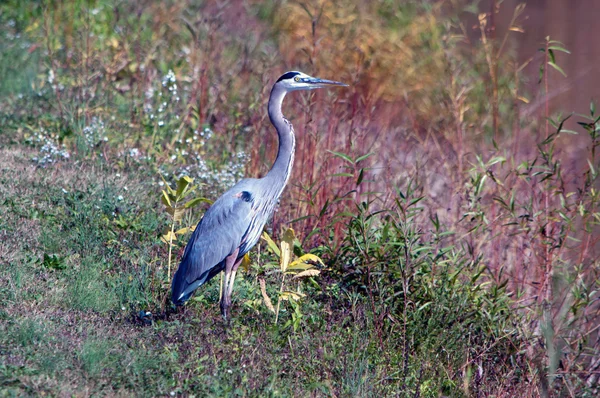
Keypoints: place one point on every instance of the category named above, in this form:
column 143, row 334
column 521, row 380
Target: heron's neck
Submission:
column 282, row 168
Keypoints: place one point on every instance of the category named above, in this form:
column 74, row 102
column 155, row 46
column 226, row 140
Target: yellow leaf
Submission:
column 266, row 298
column 308, row 272
column 271, row 244
column 303, row 262
column 288, row 295
column 525, row 100
column 246, row 262
column 165, row 199
column 176, row 213
column 287, row 242
column 299, row 267
column 183, row 230
column 32, row 27
column 168, row 237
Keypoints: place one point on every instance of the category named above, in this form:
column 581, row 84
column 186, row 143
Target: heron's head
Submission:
column 294, row 80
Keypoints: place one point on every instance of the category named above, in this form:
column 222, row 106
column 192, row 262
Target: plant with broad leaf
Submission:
column 173, row 200
column 301, row 267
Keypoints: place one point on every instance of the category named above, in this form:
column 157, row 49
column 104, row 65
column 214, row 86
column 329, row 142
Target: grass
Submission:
column 459, row 236
column 82, row 315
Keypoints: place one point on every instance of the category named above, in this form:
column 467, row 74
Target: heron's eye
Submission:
column 297, row 78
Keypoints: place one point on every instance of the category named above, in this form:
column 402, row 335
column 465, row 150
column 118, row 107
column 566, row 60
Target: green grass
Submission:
column 73, row 318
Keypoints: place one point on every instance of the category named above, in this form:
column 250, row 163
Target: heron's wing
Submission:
column 220, row 232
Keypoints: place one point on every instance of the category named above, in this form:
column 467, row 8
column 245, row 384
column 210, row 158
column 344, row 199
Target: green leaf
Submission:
column 363, row 157
column 53, row 261
column 196, row 201
column 415, row 201
column 324, row 208
column 170, row 190
column 182, row 185
column 558, row 68
column 497, row 159
column 551, row 56
column 559, row 48
column 272, row 245
column 165, row 199
column 342, row 156
column 360, row 177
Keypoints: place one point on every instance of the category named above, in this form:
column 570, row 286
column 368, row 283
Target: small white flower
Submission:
column 64, row 190
column 120, row 197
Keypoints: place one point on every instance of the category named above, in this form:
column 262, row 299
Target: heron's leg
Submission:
column 230, row 263
column 229, row 290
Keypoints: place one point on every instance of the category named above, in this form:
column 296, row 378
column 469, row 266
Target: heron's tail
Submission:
column 182, row 289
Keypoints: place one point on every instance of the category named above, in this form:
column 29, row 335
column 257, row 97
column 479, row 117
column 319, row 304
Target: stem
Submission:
column 547, row 259
column 279, row 299
column 492, row 60
column 171, row 247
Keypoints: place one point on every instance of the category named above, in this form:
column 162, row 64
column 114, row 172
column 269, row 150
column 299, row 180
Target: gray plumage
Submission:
column 235, row 221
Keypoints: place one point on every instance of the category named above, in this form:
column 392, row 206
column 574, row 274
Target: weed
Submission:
column 50, row 151
column 302, row 267
column 458, row 229
column 171, row 199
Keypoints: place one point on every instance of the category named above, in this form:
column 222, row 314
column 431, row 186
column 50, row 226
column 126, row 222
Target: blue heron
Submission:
column 235, row 221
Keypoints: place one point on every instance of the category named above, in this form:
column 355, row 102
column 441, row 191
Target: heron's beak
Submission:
column 319, row 83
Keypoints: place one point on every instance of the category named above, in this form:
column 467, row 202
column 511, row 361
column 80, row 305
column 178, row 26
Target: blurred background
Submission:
column 451, row 190
column 569, row 22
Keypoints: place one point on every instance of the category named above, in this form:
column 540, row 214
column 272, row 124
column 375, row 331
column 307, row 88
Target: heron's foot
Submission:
column 225, row 304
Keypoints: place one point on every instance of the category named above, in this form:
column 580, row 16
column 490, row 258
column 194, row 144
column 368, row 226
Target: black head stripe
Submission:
column 246, row 196
column 288, row 75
